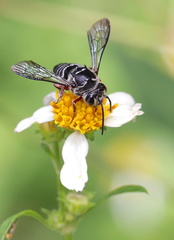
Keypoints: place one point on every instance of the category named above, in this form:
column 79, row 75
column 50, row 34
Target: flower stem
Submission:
column 57, row 163
column 68, row 237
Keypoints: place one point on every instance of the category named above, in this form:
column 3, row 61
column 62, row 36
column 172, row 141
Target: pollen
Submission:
column 82, row 118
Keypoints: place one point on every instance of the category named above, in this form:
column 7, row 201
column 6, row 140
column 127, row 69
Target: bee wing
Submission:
column 32, row 70
column 98, row 37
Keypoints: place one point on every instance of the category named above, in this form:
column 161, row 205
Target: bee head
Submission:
column 96, row 96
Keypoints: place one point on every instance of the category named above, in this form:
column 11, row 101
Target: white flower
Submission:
column 73, row 174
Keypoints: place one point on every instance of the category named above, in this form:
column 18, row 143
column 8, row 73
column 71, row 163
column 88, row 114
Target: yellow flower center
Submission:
column 85, row 118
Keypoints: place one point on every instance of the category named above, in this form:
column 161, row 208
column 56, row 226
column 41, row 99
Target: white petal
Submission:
column 51, row 97
column 42, row 115
column 123, row 114
column 74, row 172
column 71, row 176
column 122, row 98
column 24, row 124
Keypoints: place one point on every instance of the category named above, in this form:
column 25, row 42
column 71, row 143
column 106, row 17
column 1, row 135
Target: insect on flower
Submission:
column 81, row 80
column 11, row 231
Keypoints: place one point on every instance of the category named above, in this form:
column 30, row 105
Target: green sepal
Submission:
column 7, row 224
column 90, row 136
column 121, row 190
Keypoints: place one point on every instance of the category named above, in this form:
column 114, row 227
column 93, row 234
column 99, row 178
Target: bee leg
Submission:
column 103, row 126
column 74, row 105
column 61, row 91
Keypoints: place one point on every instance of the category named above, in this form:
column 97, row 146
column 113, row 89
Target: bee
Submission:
column 83, row 81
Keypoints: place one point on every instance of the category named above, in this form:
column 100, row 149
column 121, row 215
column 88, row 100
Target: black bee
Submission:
column 81, row 80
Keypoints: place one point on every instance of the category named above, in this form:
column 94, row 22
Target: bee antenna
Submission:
column 102, row 119
column 110, row 103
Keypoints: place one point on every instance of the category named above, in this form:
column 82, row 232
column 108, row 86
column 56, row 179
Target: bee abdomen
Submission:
column 63, row 69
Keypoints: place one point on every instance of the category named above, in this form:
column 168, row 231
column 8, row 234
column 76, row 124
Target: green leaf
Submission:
column 123, row 189
column 7, row 225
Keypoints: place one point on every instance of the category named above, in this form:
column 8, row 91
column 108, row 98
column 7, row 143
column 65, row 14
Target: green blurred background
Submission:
column 139, row 59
